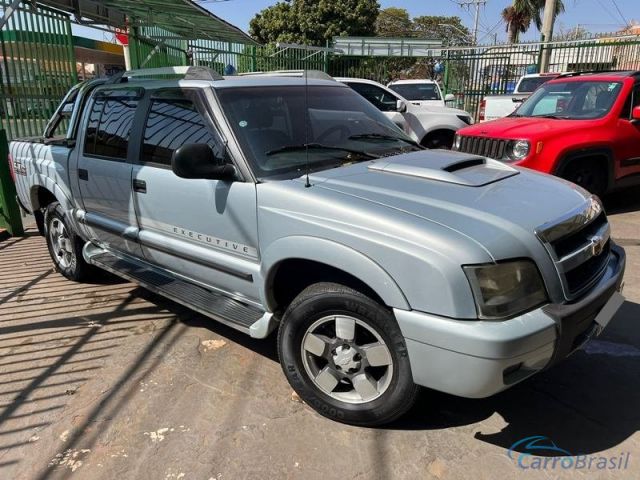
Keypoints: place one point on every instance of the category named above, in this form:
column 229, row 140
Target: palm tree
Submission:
column 517, row 22
column 521, row 13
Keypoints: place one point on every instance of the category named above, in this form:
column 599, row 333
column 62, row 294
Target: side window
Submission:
column 382, row 99
column 173, row 122
column 109, row 127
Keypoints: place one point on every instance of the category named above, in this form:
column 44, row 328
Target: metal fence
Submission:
column 38, row 67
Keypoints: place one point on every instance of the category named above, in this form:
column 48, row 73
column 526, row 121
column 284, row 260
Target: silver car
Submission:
column 294, row 204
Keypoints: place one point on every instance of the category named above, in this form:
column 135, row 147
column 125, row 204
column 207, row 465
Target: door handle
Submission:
column 83, row 174
column 140, row 186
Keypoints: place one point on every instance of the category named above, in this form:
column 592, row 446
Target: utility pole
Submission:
column 547, row 33
column 476, row 19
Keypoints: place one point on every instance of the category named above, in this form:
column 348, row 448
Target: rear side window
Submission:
column 173, row 122
column 109, row 127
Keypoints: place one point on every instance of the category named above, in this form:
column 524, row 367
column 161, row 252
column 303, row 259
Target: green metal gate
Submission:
column 38, row 67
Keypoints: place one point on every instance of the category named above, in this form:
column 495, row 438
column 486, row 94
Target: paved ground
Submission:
column 109, row 381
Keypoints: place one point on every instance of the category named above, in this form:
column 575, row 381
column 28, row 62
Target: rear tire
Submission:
column 65, row 247
column 588, row 173
column 345, row 356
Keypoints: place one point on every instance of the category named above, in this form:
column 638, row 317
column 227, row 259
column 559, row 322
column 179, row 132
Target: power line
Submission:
column 615, row 4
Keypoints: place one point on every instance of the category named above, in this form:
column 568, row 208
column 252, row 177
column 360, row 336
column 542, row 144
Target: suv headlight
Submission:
column 518, row 149
column 457, row 142
column 505, row 289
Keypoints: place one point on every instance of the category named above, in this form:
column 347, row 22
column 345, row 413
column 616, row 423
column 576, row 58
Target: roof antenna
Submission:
column 306, row 126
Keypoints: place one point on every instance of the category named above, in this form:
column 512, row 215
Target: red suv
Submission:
column 584, row 127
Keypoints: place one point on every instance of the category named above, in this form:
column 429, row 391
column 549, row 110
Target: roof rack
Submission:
column 313, row 74
column 596, row 72
column 188, row 73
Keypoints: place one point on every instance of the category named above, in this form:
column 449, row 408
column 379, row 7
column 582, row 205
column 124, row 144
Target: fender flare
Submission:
column 48, row 184
column 571, row 155
column 334, row 255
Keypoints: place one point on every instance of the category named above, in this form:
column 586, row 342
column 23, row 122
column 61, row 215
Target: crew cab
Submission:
column 271, row 203
column 493, row 107
column 430, row 126
column 583, row 127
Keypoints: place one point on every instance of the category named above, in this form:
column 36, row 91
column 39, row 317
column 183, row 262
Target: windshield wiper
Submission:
column 380, row 136
column 319, row 146
column 557, row 117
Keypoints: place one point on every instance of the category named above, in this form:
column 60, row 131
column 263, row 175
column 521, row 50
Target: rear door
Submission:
column 103, row 169
column 204, row 230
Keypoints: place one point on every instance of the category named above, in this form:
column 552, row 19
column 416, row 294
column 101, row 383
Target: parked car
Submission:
column 422, row 93
column 493, row 107
column 273, row 203
column 584, row 127
column 430, row 126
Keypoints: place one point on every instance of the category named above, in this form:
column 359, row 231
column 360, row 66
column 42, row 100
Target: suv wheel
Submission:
column 65, row 247
column 442, row 139
column 345, row 356
column 588, row 174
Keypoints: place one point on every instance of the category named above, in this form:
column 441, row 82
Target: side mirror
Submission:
column 449, row 97
column 197, row 161
column 401, row 107
column 635, row 114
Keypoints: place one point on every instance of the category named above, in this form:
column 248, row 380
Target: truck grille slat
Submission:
column 485, row 147
column 580, row 247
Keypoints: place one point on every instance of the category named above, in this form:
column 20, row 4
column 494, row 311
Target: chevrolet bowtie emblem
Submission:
column 597, row 245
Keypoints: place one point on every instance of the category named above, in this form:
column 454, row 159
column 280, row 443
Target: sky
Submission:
column 593, row 15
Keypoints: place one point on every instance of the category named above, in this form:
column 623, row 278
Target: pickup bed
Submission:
column 493, row 107
column 273, row 203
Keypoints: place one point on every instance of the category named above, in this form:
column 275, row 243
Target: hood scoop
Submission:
column 444, row 166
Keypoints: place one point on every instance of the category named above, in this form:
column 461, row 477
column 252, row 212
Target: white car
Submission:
column 431, row 126
column 421, row 92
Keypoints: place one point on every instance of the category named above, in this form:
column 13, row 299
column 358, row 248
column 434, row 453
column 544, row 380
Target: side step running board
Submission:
column 245, row 318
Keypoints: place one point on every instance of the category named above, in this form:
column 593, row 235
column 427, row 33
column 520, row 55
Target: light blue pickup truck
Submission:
column 293, row 204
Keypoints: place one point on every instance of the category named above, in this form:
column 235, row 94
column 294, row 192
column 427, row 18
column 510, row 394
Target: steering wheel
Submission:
column 341, row 129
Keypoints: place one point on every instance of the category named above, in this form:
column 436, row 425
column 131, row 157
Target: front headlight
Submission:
column 503, row 290
column 457, row 142
column 518, row 149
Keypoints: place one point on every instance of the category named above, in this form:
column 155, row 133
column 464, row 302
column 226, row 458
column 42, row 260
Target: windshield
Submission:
column 417, row 91
column 528, row 85
column 571, row 100
column 343, row 128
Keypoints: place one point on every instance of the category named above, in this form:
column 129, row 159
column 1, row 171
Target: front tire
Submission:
column 589, row 174
column 65, row 247
column 345, row 356
column 439, row 140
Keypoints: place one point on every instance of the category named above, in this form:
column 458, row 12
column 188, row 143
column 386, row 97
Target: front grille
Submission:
column 580, row 246
column 486, row 147
column 584, row 274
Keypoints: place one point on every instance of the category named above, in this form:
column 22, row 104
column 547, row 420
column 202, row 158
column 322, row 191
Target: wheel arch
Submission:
column 313, row 260
column 603, row 154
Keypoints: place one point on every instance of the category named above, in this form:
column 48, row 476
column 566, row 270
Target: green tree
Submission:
column 521, row 13
column 394, row 22
column 450, row 30
column 313, row 22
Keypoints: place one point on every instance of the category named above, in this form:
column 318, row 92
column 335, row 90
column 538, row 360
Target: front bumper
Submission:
column 476, row 359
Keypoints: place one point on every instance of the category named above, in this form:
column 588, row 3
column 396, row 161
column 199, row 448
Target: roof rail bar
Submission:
column 188, row 73
column 313, row 74
column 592, row 72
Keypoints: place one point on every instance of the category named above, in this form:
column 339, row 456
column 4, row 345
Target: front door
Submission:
column 103, row 172
column 203, row 230
column 628, row 138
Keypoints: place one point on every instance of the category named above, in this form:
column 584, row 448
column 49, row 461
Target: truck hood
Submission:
column 522, row 128
column 496, row 205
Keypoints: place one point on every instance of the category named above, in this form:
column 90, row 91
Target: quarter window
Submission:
column 109, row 127
column 173, row 122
